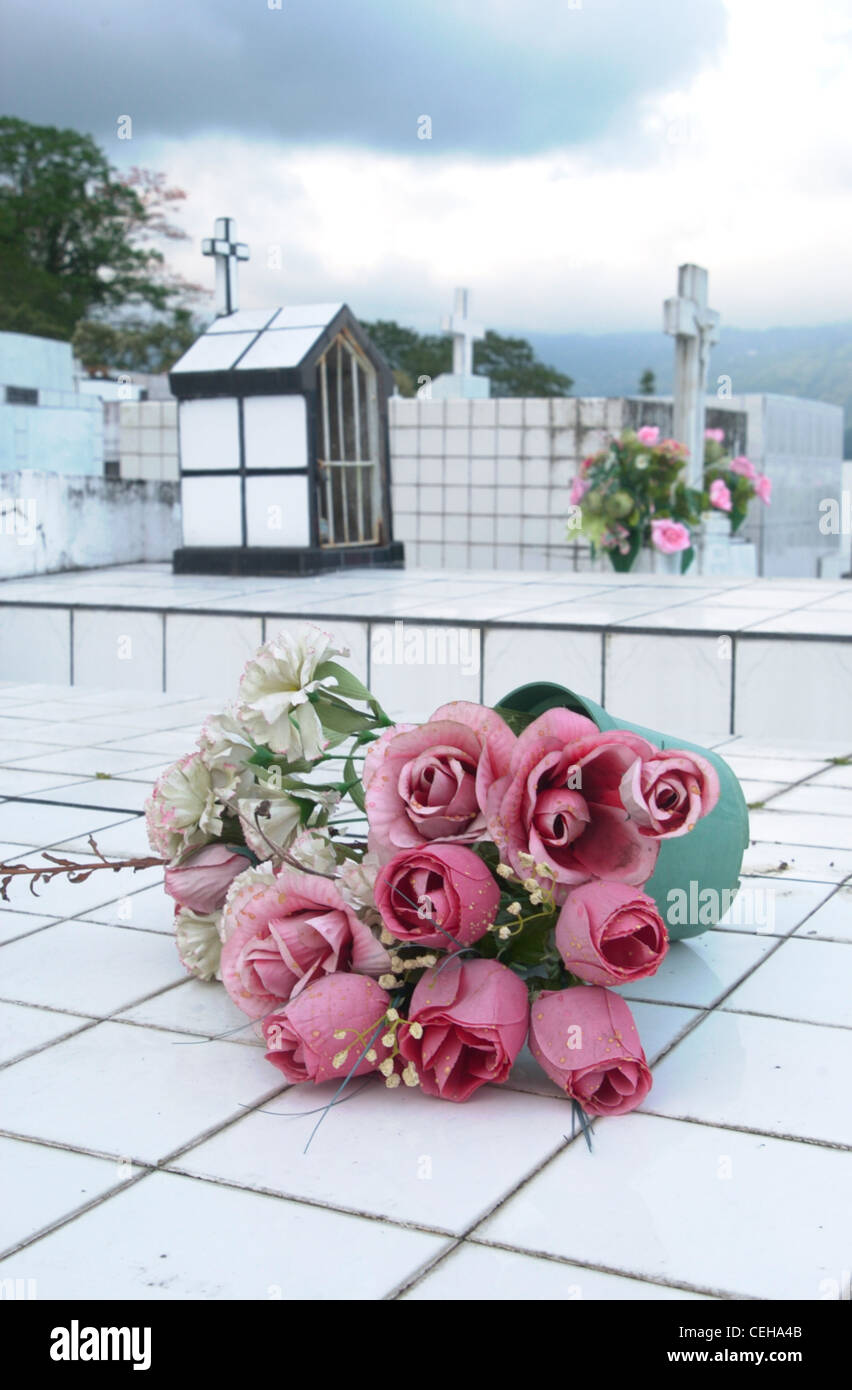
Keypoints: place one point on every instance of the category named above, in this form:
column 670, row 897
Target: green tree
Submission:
column 135, row 345
column 511, row 363
column 647, row 383
column 75, row 237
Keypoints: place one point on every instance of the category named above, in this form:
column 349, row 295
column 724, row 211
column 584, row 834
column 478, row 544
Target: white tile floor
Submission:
column 140, row 1126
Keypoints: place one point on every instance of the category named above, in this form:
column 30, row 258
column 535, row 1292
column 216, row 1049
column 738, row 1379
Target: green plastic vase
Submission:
column 697, row 875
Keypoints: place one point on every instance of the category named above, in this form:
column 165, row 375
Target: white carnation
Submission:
column 273, row 698
column 199, row 943
column 184, row 811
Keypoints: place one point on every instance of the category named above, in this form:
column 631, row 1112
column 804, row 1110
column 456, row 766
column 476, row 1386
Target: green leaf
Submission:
column 338, row 720
column 356, row 789
column 531, row 946
column 347, row 685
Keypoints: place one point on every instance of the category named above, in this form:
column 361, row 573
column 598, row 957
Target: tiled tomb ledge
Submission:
column 149, row 1151
column 767, row 657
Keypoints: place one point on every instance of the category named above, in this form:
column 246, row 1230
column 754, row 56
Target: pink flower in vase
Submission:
column 669, row 536
column 763, row 488
column 720, row 497
column 579, row 488
column 744, row 467
column 717, row 436
column 648, row 434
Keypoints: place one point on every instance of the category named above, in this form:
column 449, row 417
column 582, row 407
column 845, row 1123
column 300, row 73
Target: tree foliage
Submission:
column 511, row 363
column 76, row 237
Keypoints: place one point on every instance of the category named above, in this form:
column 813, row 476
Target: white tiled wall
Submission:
column 485, row 484
column 148, row 439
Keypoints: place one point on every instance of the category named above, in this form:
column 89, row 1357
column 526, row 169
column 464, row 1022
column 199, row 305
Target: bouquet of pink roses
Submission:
column 417, row 900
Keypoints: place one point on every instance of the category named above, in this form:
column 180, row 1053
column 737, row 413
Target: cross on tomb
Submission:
column 695, row 329
column 464, row 334
column 227, row 252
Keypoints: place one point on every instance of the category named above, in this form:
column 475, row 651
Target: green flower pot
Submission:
column 697, row 875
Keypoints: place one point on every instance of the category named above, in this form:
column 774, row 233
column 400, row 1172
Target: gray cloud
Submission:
column 497, row 77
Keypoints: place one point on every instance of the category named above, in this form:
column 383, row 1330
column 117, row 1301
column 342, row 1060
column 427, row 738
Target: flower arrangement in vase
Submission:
column 731, row 483
column 633, row 497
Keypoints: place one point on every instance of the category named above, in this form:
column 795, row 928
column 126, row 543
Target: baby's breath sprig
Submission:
column 538, row 885
column 389, row 1044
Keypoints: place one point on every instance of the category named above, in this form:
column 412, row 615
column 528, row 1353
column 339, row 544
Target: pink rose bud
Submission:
column 586, row 1041
column 301, row 1039
column 609, row 933
column 201, row 882
column 665, row 795
column 717, row 436
column 720, row 497
column 763, row 488
column 648, row 434
column 284, row 930
column 669, row 536
column 440, row 896
column 474, row 1016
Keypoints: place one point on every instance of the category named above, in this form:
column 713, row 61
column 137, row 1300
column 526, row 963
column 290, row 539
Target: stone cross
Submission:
column 464, row 334
column 695, row 329
column 226, row 251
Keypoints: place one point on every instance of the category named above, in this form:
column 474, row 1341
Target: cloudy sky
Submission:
column 579, row 151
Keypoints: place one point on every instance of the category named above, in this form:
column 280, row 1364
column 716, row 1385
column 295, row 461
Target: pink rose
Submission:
column 648, row 434
column 717, row 436
column 608, row 933
column 673, row 446
column 744, row 467
column 560, row 802
column 282, row 931
column 201, row 883
column 474, row 1016
column 719, row 495
column 431, row 782
column 667, row 793
column 586, row 1041
column 444, row 884
column 763, row 488
column 300, row 1037
column 579, row 488
column 669, row 536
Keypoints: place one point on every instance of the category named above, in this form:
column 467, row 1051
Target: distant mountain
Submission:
column 814, row 362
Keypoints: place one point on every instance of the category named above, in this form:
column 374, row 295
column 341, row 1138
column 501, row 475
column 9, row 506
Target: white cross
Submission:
column 464, row 334
column 227, row 251
column 695, row 329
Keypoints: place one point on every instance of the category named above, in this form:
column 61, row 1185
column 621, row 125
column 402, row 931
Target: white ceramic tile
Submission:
column 757, row 1073
column 121, row 647
column 815, row 678
column 128, row 839
column 88, row 967
column 170, row 743
column 398, row 1154
column 23, row 782
column 816, row 798
column 681, row 1209
column 798, row 828
column 756, row 792
column 805, row 980
column 36, row 643
column 839, row 776
column 797, row 861
column 772, row 905
column 60, row 898
column 772, row 769
column 35, row 823
column 281, row 347
column 133, row 1092
column 210, row 433
column 149, row 910
column 212, row 511
column 162, row 1238
column 277, row 512
column 15, row 924
column 833, row 920
column 213, row 352
column 198, row 1006
column 671, row 684
column 111, row 793
column 41, row 1185
column 276, row 432
column 474, row 1271
column 209, row 654
column 572, row 659
column 16, row 754
column 86, row 762
column 416, row 667
column 698, row 971
column 23, row 1030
